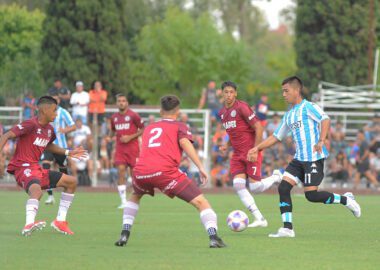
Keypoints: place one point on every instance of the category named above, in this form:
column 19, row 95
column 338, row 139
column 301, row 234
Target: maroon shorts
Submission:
column 25, row 176
column 174, row 183
column 240, row 165
column 125, row 158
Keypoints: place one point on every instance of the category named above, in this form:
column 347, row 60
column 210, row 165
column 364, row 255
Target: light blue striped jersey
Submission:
column 62, row 120
column 303, row 121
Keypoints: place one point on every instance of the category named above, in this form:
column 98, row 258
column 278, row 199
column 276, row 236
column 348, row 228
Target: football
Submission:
column 237, row 221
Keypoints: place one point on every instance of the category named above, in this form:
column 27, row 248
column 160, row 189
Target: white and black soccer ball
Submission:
column 237, row 221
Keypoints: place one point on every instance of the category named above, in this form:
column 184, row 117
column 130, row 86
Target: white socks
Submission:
column 122, row 193
column 264, row 184
column 209, row 219
column 31, row 210
column 64, row 205
column 130, row 212
column 246, row 197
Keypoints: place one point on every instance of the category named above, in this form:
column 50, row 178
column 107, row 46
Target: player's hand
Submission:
column 252, row 154
column 125, row 138
column 79, row 153
column 203, row 176
column 62, row 130
column 223, row 148
column 318, row 147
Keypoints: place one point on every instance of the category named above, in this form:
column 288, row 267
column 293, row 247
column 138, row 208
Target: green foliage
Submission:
column 179, row 55
column 331, row 41
column 84, row 41
column 20, row 38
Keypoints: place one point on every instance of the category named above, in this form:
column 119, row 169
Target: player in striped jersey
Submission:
column 63, row 124
column 308, row 125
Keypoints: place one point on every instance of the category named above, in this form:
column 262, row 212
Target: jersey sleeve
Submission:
column 184, row 132
column 316, row 113
column 139, row 122
column 23, row 128
column 282, row 130
column 248, row 115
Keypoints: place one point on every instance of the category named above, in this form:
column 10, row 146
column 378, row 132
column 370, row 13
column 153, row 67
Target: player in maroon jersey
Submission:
column 244, row 131
column 33, row 137
column 158, row 167
column 128, row 126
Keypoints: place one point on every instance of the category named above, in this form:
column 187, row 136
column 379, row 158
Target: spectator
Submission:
column 272, row 126
column 98, row 98
column 2, row 155
column 63, row 92
column 151, row 119
column 28, row 104
column 337, row 135
column 82, row 135
column 261, row 109
column 339, row 169
column 80, row 100
column 211, row 98
column 372, row 131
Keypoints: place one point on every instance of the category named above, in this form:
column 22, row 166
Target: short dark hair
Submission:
column 294, row 80
column 46, row 100
column 169, row 102
column 121, row 95
column 229, row 83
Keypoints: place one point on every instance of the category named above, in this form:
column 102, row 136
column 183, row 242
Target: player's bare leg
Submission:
column 129, row 213
column 372, row 179
column 32, row 204
column 121, row 185
column 239, row 184
column 209, row 220
column 69, row 184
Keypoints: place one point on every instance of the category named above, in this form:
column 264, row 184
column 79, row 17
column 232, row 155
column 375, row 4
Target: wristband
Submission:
column 67, row 152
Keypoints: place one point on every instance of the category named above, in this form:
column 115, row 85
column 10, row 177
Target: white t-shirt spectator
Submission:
column 80, row 101
column 80, row 135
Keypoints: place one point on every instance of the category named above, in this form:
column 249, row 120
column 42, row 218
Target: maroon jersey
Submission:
column 32, row 141
column 238, row 121
column 160, row 149
column 126, row 124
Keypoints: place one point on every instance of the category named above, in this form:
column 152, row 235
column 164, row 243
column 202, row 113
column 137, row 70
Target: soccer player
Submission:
column 244, row 131
column 158, row 167
column 308, row 125
column 128, row 127
column 34, row 136
column 62, row 124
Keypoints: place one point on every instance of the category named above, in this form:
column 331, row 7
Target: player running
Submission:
column 308, row 125
column 244, row 131
column 158, row 167
column 34, row 136
column 62, row 124
column 128, row 127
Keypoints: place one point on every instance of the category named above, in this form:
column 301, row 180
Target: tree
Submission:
column 84, row 40
column 331, row 41
column 179, row 55
column 21, row 35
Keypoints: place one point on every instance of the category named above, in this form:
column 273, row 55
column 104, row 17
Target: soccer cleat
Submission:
column 122, row 206
column 352, row 205
column 123, row 238
column 283, row 232
column 279, row 174
column 28, row 229
column 50, row 200
column 61, row 226
column 216, row 242
column 258, row 223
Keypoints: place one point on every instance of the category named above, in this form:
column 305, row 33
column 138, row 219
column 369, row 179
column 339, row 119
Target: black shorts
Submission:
column 363, row 167
column 308, row 173
column 100, row 118
column 60, row 159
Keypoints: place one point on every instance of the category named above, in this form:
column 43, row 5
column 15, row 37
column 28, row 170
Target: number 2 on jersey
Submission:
column 153, row 140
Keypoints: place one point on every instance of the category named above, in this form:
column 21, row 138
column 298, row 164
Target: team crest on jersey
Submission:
column 233, row 113
column 115, row 119
column 28, row 172
column 20, row 127
column 127, row 118
column 221, row 117
column 38, row 131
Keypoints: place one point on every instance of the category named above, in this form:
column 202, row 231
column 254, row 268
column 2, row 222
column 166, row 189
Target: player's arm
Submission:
column 325, row 126
column 259, row 130
column 75, row 153
column 68, row 129
column 223, row 148
column 190, row 151
column 128, row 138
column 4, row 138
column 202, row 100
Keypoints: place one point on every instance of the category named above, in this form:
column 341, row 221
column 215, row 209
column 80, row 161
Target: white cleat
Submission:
column 122, row 206
column 279, row 176
column 258, row 223
column 283, row 232
column 50, row 200
column 352, row 205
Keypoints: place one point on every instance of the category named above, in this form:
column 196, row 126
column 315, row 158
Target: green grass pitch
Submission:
column 168, row 235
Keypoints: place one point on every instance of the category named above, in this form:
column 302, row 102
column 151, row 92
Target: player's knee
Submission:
column 72, row 181
column 312, row 196
column 239, row 184
column 284, row 187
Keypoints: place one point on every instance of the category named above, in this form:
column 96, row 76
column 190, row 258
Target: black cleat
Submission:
column 123, row 238
column 216, row 242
